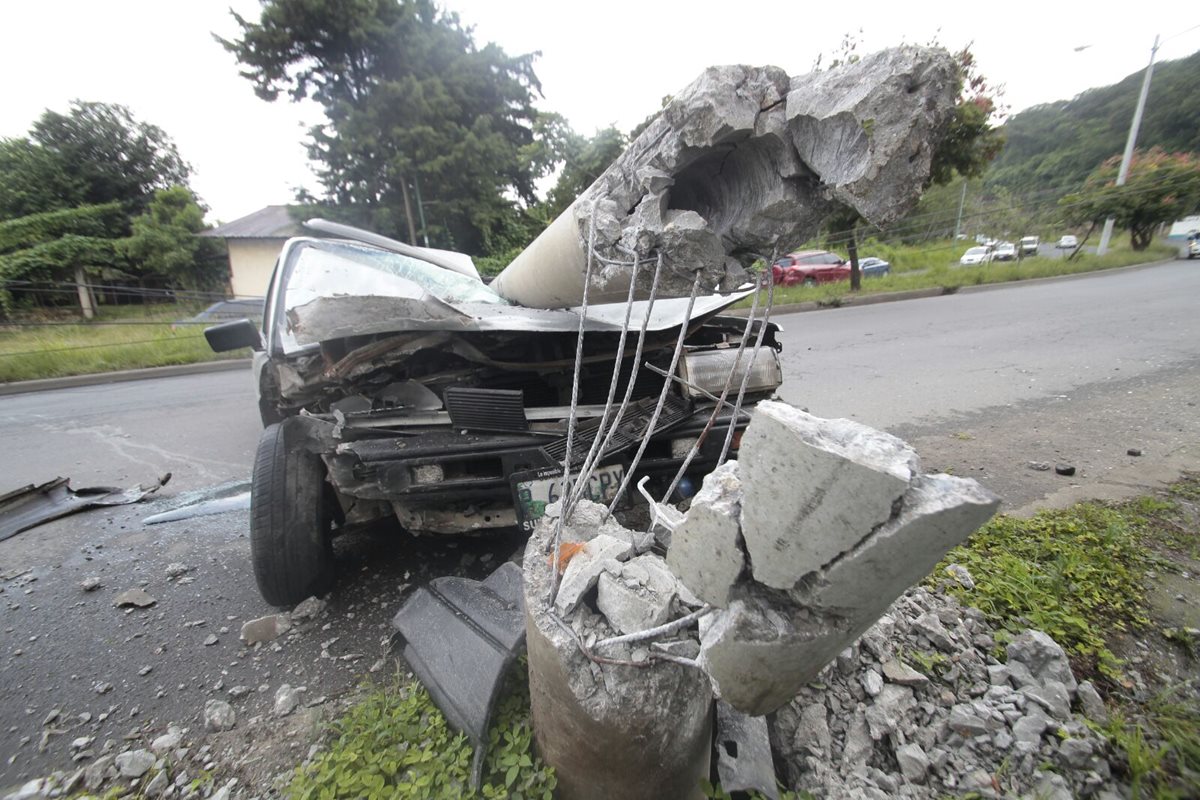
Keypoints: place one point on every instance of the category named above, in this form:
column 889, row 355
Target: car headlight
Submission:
column 708, row 370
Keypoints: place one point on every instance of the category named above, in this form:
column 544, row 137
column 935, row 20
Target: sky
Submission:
column 608, row 62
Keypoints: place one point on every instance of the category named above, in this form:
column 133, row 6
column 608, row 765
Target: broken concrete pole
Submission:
column 705, row 551
column 609, row 730
column 743, row 163
column 938, row 512
column 837, row 522
column 814, row 488
column 768, row 644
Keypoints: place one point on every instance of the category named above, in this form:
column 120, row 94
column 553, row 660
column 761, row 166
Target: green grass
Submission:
column 936, row 266
column 122, row 337
column 395, row 743
column 1073, row 574
column 1080, row 575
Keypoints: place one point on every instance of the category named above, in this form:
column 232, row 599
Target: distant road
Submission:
column 923, row 360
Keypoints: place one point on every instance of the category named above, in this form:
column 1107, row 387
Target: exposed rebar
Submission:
column 597, row 452
column 762, row 328
column 658, row 632
column 662, row 399
column 566, row 487
column 712, row 418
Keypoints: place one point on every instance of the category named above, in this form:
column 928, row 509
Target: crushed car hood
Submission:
column 335, row 317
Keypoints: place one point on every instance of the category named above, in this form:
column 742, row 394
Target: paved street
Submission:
column 981, row 382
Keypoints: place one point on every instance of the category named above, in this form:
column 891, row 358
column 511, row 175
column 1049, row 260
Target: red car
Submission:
column 810, row 267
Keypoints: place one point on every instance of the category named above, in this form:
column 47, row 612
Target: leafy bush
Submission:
column 395, row 743
column 105, row 221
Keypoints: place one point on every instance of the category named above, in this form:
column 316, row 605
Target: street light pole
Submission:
column 1123, row 173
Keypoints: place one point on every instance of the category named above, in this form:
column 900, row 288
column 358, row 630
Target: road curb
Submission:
column 938, row 291
column 121, row 376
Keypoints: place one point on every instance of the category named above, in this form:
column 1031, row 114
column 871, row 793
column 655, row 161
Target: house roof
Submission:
column 272, row 222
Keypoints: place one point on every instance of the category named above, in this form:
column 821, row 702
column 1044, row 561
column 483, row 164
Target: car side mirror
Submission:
column 233, row 335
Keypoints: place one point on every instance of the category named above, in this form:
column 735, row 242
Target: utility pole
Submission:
column 961, row 200
column 421, row 209
column 1129, row 144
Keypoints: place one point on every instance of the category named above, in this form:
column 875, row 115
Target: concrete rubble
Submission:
column 969, row 725
column 796, row 549
column 746, row 162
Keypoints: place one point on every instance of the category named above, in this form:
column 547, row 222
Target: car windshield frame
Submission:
column 384, row 273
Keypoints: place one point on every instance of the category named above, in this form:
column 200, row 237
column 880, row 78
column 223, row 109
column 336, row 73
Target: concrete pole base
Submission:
column 611, row 731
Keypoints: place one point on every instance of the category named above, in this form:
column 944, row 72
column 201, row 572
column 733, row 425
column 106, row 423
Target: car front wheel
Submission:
column 291, row 518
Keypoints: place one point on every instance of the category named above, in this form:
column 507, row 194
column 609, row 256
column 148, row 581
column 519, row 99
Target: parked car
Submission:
column 1193, row 246
column 873, row 267
column 1005, row 251
column 810, row 267
column 976, row 256
column 1067, row 242
column 393, row 384
column 1029, row 245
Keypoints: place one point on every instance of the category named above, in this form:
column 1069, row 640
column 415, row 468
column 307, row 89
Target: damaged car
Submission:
column 393, row 382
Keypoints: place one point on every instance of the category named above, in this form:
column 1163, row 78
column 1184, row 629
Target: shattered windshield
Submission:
column 331, row 269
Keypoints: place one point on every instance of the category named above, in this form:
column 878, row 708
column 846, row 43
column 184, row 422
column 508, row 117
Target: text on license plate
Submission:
column 533, row 496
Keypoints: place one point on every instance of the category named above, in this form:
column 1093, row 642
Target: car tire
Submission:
column 291, row 517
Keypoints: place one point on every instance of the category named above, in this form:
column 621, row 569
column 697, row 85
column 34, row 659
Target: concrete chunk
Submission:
column 705, row 552
column 939, row 512
column 767, row 644
column 814, row 488
column 265, row 629
column 627, row 609
column 758, row 657
column 583, row 570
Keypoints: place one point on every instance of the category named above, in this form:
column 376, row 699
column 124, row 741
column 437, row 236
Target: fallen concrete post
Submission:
column 837, row 522
column 607, row 728
column 743, row 163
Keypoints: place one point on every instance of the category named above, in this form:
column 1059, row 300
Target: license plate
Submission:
column 533, row 493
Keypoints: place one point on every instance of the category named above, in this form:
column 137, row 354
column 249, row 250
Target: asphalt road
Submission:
column 923, row 361
column 980, row 382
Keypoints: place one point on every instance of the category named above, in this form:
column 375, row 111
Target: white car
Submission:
column 1005, row 251
column 1067, row 242
column 976, row 256
column 1029, row 245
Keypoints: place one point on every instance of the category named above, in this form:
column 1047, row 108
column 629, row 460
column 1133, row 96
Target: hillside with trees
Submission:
column 1056, row 146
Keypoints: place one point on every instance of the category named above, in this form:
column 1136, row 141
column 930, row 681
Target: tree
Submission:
column 34, row 180
column 164, row 242
column 421, row 124
column 98, row 153
column 584, row 160
column 1161, row 187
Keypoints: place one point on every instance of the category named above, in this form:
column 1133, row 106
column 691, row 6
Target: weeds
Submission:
column 1161, row 742
column 118, row 339
column 395, row 743
column 1078, row 575
column 1074, row 574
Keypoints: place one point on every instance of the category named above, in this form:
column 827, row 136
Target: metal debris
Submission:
column 32, row 505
